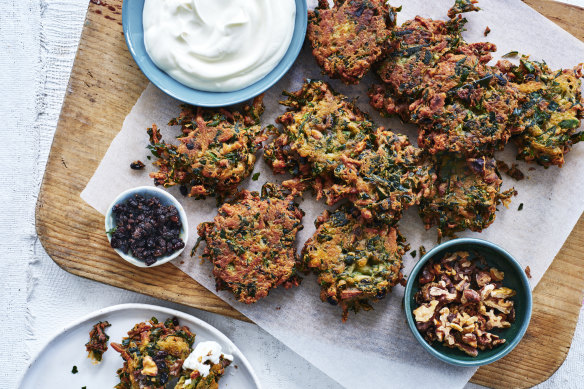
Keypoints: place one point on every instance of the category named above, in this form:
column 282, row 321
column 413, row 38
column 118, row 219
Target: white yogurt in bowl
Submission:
column 218, row 45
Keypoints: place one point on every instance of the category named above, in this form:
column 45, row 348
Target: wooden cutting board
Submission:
column 105, row 83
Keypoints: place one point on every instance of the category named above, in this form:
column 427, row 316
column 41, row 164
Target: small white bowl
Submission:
column 165, row 199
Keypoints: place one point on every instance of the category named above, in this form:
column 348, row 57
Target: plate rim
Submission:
column 127, row 306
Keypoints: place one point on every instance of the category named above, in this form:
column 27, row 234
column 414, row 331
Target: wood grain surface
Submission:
column 105, row 83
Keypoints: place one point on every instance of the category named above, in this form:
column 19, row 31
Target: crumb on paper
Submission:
column 487, row 31
column 512, row 171
column 528, row 272
column 422, row 251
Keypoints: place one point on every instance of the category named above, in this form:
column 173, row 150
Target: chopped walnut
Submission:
column 461, row 300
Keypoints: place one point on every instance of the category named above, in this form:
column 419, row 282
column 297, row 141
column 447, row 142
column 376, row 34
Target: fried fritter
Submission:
column 466, row 195
column 348, row 38
column 329, row 145
column 467, row 105
column 549, row 112
column 215, row 153
column 153, row 354
column 251, row 243
column 462, row 106
column 355, row 262
column 320, row 131
column 385, row 179
column 416, row 46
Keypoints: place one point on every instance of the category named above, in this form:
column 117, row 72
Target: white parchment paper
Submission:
column 376, row 348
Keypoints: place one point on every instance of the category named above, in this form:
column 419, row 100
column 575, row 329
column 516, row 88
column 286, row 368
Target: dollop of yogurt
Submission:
column 205, row 352
column 218, row 45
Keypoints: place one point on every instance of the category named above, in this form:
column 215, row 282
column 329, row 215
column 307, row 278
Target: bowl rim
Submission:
column 524, row 283
column 179, row 91
column 152, row 191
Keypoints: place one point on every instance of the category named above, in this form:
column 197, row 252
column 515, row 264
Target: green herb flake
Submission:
column 255, row 176
column 511, row 54
column 413, row 253
column 520, row 207
column 112, row 230
column 74, row 370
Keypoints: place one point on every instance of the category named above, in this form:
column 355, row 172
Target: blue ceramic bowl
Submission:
column 515, row 279
column 166, row 199
column 134, row 33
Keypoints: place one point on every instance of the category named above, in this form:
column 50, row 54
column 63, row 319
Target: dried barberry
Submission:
column 146, row 229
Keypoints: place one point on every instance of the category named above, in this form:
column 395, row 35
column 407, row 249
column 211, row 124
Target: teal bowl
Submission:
column 134, row 33
column 515, row 279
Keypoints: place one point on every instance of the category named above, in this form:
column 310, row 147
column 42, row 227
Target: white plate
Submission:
column 52, row 366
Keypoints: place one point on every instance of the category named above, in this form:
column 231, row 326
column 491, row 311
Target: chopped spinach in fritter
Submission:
column 549, row 112
column 153, row 354
column 348, row 38
column 216, row 150
column 356, row 262
column 466, row 195
column 251, row 243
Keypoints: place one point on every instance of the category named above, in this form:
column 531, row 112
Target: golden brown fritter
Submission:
column 550, row 110
column 348, row 38
column 329, row 145
column 251, row 243
column 215, row 153
column 319, row 132
column 467, row 105
column 466, row 195
column 385, row 179
column 355, row 262
column 460, row 104
column 416, row 46
column 153, row 354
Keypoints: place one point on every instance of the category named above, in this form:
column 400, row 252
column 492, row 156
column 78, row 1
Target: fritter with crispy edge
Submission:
column 355, row 261
column 329, row 145
column 153, row 354
column 251, row 243
column 385, row 179
column 466, row 195
column 194, row 380
column 348, row 38
column 320, row 131
column 463, row 106
column 415, row 47
column 549, row 111
column 97, row 344
column 215, row 153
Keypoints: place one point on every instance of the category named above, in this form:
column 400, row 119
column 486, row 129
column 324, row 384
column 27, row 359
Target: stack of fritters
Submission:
column 215, row 153
column 329, row 145
column 549, row 112
column 251, row 243
column 355, row 261
column 466, row 195
column 348, row 38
